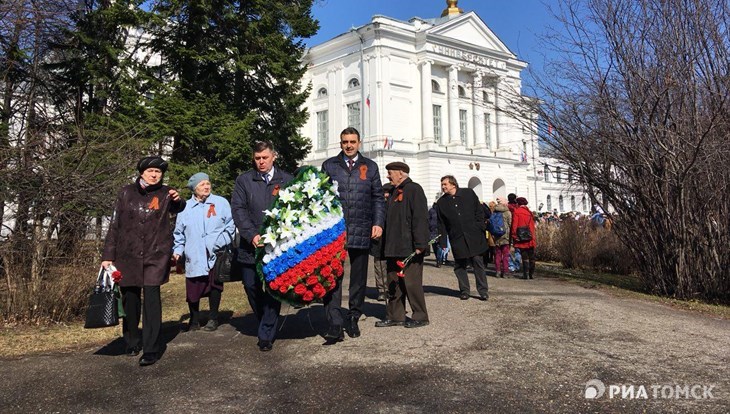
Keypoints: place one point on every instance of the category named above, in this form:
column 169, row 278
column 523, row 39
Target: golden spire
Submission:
column 451, row 9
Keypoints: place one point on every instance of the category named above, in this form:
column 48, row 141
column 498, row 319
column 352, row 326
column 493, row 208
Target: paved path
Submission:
column 531, row 348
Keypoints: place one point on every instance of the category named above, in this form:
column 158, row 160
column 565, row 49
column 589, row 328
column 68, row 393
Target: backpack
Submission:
column 496, row 225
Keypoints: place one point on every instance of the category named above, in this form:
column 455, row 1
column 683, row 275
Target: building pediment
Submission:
column 469, row 28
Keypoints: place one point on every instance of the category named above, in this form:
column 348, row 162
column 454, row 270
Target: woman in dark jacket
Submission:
column 139, row 244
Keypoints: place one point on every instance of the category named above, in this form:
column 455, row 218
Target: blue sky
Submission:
column 518, row 23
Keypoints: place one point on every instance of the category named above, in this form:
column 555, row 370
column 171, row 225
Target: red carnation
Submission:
column 117, row 276
column 319, row 290
column 283, row 289
column 308, row 296
column 274, row 285
column 312, row 280
column 326, row 271
column 300, row 289
column 400, row 264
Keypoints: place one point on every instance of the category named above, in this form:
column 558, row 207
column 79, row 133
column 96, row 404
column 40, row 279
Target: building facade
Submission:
column 440, row 94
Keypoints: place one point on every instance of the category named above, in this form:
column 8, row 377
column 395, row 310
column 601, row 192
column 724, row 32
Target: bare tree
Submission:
column 640, row 105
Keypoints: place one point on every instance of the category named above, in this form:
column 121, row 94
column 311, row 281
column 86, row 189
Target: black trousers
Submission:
column 408, row 287
column 263, row 305
column 479, row 274
column 151, row 317
column 358, row 285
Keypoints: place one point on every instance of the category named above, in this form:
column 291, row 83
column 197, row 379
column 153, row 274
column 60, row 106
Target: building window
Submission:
column 488, row 130
column 572, row 203
column 570, row 176
column 462, row 125
column 353, row 115
column 462, row 92
column 583, row 203
column 353, row 83
column 560, row 204
column 546, row 173
column 437, row 124
column 322, row 93
column 558, row 175
column 549, row 203
column 485, row 96
column 435, row 87
column 322, row 129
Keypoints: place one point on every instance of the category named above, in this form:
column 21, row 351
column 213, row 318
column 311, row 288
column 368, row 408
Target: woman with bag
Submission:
column 523, row 236
column 139, row 244
column 202, row 231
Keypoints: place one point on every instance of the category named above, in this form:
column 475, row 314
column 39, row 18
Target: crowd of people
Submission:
column 390, row 222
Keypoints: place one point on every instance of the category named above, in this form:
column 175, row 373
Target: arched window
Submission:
column 485, row 96
column 322, row 93
column 572, row 203
column 546, row 173
column 462, row 92
column 435, row 87
column 549, row 203
column 353, row 83
column 560, row 204
column 584, row 205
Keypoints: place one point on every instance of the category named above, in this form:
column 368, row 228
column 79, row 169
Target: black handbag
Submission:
column 102, row 311
column 227, row 268
column 523, row 234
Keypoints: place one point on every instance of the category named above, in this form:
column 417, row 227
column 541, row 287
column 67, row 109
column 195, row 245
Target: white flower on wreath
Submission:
column 269, row 238
column 286, row 196
column 272, row 213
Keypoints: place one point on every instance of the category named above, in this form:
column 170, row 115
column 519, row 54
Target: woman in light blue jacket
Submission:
column 203, row 229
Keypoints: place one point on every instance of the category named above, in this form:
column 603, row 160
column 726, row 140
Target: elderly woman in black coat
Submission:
column 139, row 244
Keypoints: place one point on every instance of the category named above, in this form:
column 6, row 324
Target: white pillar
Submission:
column 477, row 110
column 426, row 103
column 454, row 137
column 497, row 115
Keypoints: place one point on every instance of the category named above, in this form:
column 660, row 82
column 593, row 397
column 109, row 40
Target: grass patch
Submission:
column 627, row 286
column 18, row 340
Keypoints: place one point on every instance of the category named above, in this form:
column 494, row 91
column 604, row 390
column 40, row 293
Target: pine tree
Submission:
column 235, row 70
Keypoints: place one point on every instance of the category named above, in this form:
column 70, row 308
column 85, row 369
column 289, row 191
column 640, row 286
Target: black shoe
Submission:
column 192, row 326
column 387, row 322
column 438, row 263
column 334, row 334
column 415, row 324
column 211, row 326
column 464, row 296
column 265, row 346
column 353, row 331
column 484, row 297
column 382, row 297
column 531, row 276
column 147, row 359
column 134, row 351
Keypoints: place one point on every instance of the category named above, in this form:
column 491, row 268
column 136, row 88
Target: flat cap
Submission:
column 398, row 166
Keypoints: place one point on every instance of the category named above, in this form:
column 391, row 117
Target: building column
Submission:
column 331, row 107
column 497, row 115
column 426, row 102
column 454, row 137
column 477, row 110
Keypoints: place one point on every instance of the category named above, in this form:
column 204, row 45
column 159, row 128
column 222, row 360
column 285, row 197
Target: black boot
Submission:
column 353, row 331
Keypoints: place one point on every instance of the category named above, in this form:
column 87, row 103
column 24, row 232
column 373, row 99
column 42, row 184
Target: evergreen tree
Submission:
column 236, row 70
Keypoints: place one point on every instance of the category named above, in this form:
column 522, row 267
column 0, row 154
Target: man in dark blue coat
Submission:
column 253, row 193
column 363, row 204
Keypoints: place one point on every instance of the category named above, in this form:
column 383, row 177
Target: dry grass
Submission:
column 628, row 286
column 18, row 340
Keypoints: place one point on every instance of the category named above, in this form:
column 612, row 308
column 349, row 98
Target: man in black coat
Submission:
column 253, row 193
column 361, row 194
column 461, row 217
column 406, row 232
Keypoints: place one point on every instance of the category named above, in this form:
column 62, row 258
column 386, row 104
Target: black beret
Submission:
column 398, row 166
column 154, row 161
column 521, row 201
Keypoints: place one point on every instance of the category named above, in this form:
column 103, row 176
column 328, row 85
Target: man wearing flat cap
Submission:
column 406, row 232
column 361, row 194
column 139, row 244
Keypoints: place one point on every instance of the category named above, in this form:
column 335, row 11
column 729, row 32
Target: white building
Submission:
column 438, row 94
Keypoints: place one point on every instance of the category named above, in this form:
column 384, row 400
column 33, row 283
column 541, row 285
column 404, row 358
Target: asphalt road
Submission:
column 532, row 347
